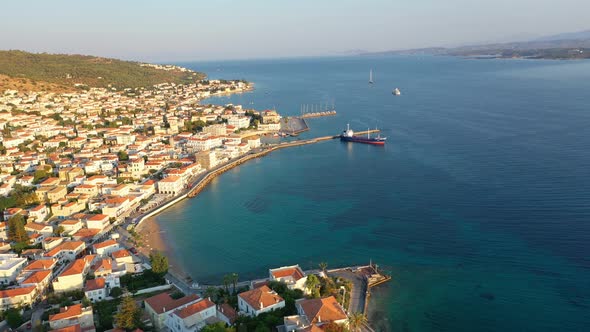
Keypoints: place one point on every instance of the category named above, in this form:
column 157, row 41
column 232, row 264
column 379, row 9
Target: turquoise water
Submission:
column 478, row 205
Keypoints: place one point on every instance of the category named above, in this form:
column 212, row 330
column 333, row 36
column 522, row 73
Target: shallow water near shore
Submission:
column 478, row 205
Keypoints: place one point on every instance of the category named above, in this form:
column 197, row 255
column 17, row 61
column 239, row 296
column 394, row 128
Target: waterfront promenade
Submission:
column 202, row 180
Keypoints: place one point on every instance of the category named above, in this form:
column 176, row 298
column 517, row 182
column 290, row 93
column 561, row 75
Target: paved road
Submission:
column 358, row 291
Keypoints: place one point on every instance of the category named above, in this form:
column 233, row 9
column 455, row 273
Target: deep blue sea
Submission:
column 478, row 205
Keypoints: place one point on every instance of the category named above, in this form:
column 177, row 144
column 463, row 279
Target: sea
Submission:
column 478, row 205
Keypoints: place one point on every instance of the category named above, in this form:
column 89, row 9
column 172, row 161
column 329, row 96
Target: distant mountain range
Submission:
column 574, row 45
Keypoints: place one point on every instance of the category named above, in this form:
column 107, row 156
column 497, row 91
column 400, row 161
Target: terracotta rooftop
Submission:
column 105, row 244
column 76, row 267
column 103, row 264
column 294, row 272
column 194, row 308
column 41, row 264
column 37, row 277
column 67, row 312
column 163, row 302
column 94, row 284
column 229, row 312
column 70, row 245
column 11, row 293
column 121, row 253
column 326, row 309
column 260, row 298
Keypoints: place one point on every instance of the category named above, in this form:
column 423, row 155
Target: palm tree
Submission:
column 234, row 279
column 356, row 320
column 211, row 293
column 226, row 282
column 323, row 266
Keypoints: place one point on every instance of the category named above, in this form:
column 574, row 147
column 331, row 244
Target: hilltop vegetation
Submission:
column 61, row 72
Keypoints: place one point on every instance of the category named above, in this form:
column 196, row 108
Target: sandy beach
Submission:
column 153, row 240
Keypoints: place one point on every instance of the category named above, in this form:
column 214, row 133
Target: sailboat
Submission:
column 396, row 92
column 371, row 76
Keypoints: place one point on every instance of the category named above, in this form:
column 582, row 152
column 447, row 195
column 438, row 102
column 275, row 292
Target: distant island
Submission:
column 567, row 46
column 26, row 71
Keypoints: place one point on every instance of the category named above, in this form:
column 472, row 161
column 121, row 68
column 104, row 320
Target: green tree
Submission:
column 86, row 302
column 116, row 292
column 234, row 279
column 16, row 229
column 312, row 284
column 356, row 320
column 14, row 318
column 122, row 155
column 59, row 230
column 159, row 263
column 217, row 327
column 211, row 292
column 323, row 266
column 226, row 282
column 128, row 316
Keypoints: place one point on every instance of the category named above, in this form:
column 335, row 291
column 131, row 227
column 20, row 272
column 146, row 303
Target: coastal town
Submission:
column 80, row 170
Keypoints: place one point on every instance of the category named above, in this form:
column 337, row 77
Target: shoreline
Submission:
column 153, row 239
column 147, row 225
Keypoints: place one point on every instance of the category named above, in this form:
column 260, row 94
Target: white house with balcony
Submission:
column 259, row 300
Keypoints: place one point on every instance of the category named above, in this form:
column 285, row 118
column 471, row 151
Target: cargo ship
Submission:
column 348, row 136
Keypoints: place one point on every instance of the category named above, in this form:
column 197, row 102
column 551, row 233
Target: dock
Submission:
column 318, row 114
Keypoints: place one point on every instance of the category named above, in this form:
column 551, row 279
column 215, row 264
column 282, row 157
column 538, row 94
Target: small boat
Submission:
column 396, row 92
column 371, row 76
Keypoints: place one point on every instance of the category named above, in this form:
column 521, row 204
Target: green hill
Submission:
column 63, row 71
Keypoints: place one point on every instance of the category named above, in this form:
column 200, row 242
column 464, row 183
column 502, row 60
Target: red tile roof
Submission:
column 262, row 296
column 70, row 245
column 94, row 284
column 105, row 244
column 77, row 267
column 10, row 293
column 67, row 312
column 293, row 272
column 326, row 309
column 37, row 277
column 163, row 302
column 229, row 312
column 194, row 308
column 41, row 264
column 121, row 253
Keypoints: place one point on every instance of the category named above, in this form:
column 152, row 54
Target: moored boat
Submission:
column 348, row 136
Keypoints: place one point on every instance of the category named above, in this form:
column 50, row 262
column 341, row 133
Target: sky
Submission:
column 184, row 30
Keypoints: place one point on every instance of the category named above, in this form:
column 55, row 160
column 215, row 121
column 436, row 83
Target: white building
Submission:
column 96, row 289
column 193, row 317
column 17, row 297
column 259, row 300
column 159, row 306
column 321, row 311
column 216, row 129
column 66, row 251
column 72, row 278
column 98, row 221
column 106, row 248
column 72, row 315
column 10, row 266
column 203, row 143
column 239, row 122
column 171, row 185
column 292, row 275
